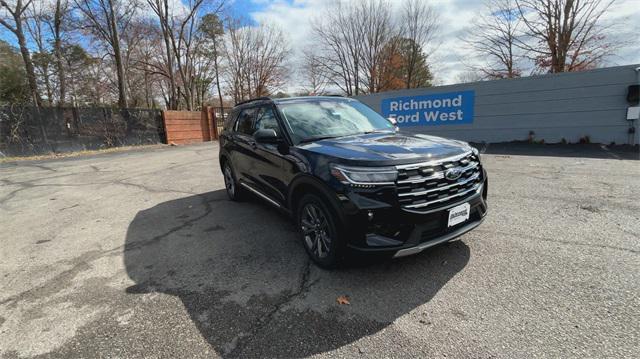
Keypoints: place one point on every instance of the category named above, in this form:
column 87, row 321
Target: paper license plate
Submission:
column 459, row 214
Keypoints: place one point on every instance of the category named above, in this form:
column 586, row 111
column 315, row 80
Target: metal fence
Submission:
column 30, row 130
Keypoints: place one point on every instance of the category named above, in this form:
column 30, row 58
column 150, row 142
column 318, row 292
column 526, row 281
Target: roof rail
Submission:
column 264, row 98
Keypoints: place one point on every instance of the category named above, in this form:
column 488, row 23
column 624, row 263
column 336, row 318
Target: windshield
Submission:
column 326, row 118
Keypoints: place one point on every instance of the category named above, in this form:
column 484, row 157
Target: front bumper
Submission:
column 435, row 241
column 399, row 232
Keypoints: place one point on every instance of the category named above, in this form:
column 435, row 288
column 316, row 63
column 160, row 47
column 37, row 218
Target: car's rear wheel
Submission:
column 319, row 231
column 231, row 185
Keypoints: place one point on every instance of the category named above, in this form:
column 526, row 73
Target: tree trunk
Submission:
column 122, row 96
column 57, row 52
column 173, row 97
column 47, row 83
column 28, row 64
column 215, row 66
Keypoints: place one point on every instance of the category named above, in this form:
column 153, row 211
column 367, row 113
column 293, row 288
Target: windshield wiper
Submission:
column 377, row 131
column 317, row 138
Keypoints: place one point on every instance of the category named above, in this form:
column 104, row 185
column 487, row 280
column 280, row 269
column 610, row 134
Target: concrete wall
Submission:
column 554, row 106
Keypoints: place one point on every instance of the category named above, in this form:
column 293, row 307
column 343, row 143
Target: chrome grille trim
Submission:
column 424, row 185
column 437, row 175
column 415, row 166
column 476, row 188
column 421, row 193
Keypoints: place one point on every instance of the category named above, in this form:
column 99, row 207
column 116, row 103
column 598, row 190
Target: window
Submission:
column 230, row 120
column 267, row 120
column 245, row 121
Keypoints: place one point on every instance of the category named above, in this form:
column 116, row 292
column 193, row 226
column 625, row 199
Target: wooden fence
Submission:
column 184, row 127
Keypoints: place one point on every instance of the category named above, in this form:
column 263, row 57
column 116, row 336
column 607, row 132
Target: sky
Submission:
column 449, row 58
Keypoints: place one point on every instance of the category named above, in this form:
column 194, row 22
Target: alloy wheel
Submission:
column 315, row 229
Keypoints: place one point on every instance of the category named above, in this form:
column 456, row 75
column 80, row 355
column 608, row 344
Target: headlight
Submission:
column 364, row 175
column 475, row 151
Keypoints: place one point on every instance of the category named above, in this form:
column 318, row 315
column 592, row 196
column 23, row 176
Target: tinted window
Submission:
column 245, row 121
column 267, row 120
column 229, row 120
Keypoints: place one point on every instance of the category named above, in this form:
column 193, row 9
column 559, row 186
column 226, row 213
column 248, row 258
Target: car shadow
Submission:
column 249, row 288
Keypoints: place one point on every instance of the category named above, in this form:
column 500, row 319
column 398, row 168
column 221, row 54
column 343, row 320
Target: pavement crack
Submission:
column 42, row 167
column 207, row 205
column 571, row 243
column 150, row 189
column 235, row 347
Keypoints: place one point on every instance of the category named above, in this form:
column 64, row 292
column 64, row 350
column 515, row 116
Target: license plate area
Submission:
column 459, row 214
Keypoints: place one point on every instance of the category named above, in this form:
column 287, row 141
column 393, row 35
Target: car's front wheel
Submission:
column 319, row 230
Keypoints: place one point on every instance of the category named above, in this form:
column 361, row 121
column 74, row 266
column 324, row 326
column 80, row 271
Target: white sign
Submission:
column 459, row 214
column 633, row 113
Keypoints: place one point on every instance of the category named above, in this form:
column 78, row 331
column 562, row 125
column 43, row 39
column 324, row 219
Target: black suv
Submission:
column 349, row 178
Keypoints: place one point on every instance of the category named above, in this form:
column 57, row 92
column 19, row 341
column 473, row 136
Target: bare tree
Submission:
column 313, row 73
column 419, row 25
column 339, row 35
column 106, row 20
column 141, row 45
column 36, row 16
column 179, row 28
column 161, row 9
column 237, row 47
column 57, row 26
column 256, row 58
column 566, row 35
column 13, row 20
column 359, row 40
column 470, row 76
column 493, row 37
column 378, row 32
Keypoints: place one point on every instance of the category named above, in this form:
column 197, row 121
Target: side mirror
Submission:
column 266, row 135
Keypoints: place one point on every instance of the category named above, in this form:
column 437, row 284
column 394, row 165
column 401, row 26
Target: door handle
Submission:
column 253, row 144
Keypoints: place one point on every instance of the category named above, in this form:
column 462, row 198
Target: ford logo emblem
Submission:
column 453, row 174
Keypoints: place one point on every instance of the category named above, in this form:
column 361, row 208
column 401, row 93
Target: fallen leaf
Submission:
column 343, row 299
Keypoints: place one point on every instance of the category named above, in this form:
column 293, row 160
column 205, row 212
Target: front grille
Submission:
column 424, row 186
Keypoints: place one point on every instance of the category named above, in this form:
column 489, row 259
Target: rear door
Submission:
column 242, row 156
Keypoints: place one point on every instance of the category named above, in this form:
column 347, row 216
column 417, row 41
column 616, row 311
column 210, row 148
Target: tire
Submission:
column 234, row 191
column 319, row 232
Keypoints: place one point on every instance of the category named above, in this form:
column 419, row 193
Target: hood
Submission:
column 390, row 148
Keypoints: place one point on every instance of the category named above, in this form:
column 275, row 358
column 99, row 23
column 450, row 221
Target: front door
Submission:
column 267, row 165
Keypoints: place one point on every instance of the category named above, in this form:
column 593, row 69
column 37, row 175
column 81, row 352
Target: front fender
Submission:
column 306, row 183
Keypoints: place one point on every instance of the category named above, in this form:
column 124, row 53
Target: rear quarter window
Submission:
column 244, row 124
column 230, row 120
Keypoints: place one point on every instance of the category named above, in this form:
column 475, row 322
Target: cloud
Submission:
column 450, row 58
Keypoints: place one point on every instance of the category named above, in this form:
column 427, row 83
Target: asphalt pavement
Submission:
column 140, row 254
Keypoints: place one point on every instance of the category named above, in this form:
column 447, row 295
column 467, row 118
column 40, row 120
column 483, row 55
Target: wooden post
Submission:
column 164, row 123
column 206, row 132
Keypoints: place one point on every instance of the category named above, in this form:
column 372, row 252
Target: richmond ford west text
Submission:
column 435, row 109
